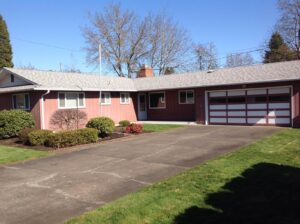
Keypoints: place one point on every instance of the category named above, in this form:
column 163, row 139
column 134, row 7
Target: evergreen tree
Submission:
column 5, row 47
column 278, row 50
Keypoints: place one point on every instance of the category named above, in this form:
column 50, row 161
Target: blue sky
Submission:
column 233, row 25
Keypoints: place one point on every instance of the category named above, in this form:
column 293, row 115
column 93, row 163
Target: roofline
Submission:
column 82, row 89
column 11, row 89
column 217, row 85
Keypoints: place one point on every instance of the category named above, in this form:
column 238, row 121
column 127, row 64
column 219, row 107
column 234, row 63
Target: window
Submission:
column 256, row 99
column 105, row 98
column 124, row 98
column 157, row 100
column 12, row 78
column 217, row 100
column 279, row 98
column 21, row 101
column 186, row 97
column 71, row 100
column 239, row 99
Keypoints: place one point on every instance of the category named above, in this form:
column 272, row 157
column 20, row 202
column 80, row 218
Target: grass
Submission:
column 12, row 154
column 160, row 127
column 257, row 184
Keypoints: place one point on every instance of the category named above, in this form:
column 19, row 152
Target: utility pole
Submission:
column 100, row 71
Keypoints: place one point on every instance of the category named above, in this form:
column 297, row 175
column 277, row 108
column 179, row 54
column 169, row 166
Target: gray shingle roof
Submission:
column 275, row 72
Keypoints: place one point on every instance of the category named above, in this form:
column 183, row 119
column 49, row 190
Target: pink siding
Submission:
column 115, row 110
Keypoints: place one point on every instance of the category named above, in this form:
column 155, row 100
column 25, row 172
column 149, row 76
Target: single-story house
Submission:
column 266, row 94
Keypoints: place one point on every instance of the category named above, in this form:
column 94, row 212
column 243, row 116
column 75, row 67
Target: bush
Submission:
column 13, row 121
column 38, row 137
column 23, row 135
column 134, row 129
column 73, row 137
column 68, row 119
column 124, row 123
column 104, row 125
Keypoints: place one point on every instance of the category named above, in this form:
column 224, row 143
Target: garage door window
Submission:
column 282, row 98
column 236, row 100
column 257, row 99
column 217, row 100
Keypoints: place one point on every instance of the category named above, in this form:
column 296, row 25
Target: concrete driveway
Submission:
column 54, row 189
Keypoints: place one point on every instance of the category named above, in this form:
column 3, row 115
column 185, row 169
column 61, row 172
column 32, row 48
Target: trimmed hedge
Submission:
column 23, row 135
column 124, row 123
column 13, row 121
column 104, row 125
column 38, row 137
column 71, row 138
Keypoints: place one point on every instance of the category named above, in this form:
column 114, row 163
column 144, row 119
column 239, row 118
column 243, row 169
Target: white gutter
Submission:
column 42, row 110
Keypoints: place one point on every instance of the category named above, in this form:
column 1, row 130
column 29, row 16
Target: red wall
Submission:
column 115, row 110
column 173, row 111
column 6, row 104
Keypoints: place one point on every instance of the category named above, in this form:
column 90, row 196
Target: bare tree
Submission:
column 289, row 23
column 206, row 56
column 29, row 66
column 129, row 41
column 168, row 44
column 122, row 36
column 241, row 59
column 68, row 119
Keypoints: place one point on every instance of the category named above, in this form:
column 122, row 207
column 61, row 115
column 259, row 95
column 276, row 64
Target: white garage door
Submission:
column 269, row 106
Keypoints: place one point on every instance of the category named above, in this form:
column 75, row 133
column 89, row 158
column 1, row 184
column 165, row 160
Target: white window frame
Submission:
column 127, row 98
column 18, row 94
column 65, row 107
column 186, row 91
column 162, row 101
column 109, row 99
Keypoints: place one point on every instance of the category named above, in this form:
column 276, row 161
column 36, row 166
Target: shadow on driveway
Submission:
column 265, row 193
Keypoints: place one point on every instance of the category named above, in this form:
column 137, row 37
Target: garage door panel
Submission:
column 218, row 107
column 257, row 106
column 237, row 113
column 237, row 120
column 218, row 120
column 279, row 106
column 236, row 106
column 257, row 113
column 274, row 113
column 279, row 121
column 257, row 120
column 279, row 90
column 217, row 113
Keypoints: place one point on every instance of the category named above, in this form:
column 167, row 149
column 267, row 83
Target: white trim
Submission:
column 128, row 97
column 186, row 91
column 43, row 109
column 65, row 107
column 164, row 101
column 109, row 99
column 206, row 107
column 17, row 94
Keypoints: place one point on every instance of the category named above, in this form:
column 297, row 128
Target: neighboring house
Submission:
column 252, row 95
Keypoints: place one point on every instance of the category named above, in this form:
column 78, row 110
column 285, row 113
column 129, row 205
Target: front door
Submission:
column 142, row 107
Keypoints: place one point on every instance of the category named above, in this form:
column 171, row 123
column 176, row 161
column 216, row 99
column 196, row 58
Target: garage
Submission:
column 262, row 106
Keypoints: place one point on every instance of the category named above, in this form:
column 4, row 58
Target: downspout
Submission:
column 42, row 110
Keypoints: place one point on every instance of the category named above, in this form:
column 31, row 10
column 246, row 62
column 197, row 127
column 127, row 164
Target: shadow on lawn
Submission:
column 265, row 193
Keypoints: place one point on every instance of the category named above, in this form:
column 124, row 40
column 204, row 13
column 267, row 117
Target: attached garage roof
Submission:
column 274, row 72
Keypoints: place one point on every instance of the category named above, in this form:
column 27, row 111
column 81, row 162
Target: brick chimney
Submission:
column 145, row 71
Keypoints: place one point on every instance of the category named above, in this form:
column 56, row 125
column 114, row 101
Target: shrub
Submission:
column 38, row 137
column 23, row 135
column 73, row 137
column 124, row 123
column 68, row 119
column 134, row 129
column 104, row 125
column 13, row 121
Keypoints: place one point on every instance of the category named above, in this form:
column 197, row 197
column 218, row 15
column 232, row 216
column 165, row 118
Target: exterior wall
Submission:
column 115, row 110
column 6, row 104
column 173, row 111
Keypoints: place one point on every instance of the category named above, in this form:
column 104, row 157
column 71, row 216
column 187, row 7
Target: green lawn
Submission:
column 258, row 184
column 160, row 127
column 13, row 154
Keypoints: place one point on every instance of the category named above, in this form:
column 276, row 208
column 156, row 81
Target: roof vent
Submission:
column 210, row 71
